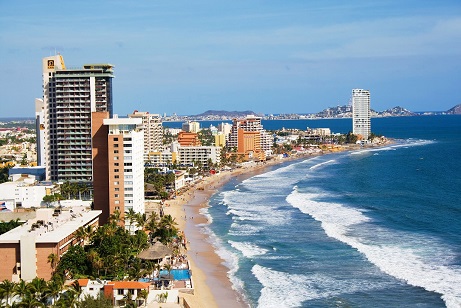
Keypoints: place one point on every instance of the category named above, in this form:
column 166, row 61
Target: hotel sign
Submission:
column 51, row 64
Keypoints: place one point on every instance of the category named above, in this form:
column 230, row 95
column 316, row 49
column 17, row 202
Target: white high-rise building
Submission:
column 153, row 131
column 126, row 165
column 361, row 115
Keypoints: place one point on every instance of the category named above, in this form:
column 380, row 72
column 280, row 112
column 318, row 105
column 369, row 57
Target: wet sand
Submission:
column 212, row 287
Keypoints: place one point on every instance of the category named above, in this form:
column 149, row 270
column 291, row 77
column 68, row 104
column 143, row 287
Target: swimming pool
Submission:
column 178, row 274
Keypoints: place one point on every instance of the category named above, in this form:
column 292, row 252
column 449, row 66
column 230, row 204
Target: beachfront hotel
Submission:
column 249, row 138
column 75, row 100
column 153, row 132
column 361, row 123
column 25, row 249
column 125, row 168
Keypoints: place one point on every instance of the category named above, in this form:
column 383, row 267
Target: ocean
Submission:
column 375, row 227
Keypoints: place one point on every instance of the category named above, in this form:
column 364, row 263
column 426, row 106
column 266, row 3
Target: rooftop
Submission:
column 51, row 225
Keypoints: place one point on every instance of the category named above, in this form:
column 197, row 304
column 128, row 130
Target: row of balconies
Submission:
column 74, row 150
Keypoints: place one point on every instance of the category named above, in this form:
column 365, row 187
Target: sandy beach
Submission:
column 212, row 287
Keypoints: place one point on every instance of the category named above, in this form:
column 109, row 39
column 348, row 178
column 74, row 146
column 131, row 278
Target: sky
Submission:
column 270, row 57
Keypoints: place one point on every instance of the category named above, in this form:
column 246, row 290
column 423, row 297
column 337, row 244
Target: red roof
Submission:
column 83, row 282
column 129, row 284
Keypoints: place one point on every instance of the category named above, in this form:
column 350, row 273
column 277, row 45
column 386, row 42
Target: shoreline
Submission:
column 211, row 283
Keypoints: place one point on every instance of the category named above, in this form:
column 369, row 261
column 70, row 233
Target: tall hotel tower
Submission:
column 75, row 102
column 126, row 166
column 361, row 123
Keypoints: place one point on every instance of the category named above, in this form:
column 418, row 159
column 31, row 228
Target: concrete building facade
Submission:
column 361, row 115
column 25, row 249
column 202, row 154
column 126, row 165
column 71, row 97
column 243, row 136
column 153, row 131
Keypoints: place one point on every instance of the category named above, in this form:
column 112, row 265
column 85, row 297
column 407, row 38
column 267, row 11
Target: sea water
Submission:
column 371, row 228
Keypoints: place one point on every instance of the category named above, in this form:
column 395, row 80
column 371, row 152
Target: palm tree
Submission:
column 21, row 289
column 141, row 220
column 38, row 288
column 29, row 301
column 130, row 215
column 81, row 234
column 7, row 290
column 53, row 259
column 143, row 295
column 54, row 288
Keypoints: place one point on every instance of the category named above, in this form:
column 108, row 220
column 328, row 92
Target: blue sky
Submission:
column 186, row 57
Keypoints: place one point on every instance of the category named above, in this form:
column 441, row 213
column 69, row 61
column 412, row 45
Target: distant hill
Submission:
column 455, row 110
column 396, row 112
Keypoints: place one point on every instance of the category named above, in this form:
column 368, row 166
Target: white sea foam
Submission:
column 408, row 257
column 248, row 249
column 322, row 164
column 231, row 260
column 244, row 229
column 281, row 289
column 205, row 212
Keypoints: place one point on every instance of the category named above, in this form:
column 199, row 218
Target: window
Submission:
column 115, row 170
column 117, row 202
column 116, row 164
column 115, row 139
column 128, row 170
column 116, row 196
column 116, row 183
column 120, row 292
column 116, row 152
column 117, row 189
column 116, row 176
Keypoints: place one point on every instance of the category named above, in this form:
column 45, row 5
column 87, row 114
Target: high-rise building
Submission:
column 250, row 128
column 40, row 131
column 191, row 127
column 361, row 116
column 126, row 166
column 75, row 102
column 153, row 132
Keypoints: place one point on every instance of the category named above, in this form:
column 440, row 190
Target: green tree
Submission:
column 7, row 290
column 73, row 263
column 21, row 289
column 10, row 225
column 38, row 288
column 4, row 174
column 54, row 289
column 143, row 295
column 53, row 259
column 100, row 302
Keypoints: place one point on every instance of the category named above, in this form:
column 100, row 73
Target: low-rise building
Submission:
column 201, row 154
column 25, row 192
column 25, row 249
